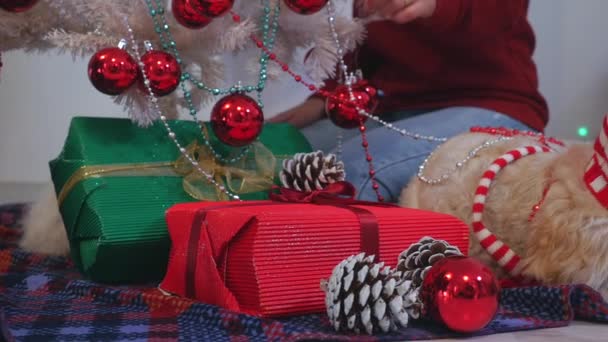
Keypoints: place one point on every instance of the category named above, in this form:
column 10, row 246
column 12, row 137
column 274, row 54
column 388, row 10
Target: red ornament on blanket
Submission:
column 342, row 111
column 17, row 6
column 186, row 14
column 462, row 293
column 112, row 71
column 212, row 8
column 237, row 120
column 306, row 6
column 162, row 70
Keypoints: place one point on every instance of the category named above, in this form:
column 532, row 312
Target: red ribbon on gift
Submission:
column 342, row 195
column 339, row 191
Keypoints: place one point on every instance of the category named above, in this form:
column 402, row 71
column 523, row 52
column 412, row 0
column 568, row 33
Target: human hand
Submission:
column 398, row 11
column 305, row 114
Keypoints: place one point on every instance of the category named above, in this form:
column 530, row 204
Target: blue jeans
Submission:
column 396, row 158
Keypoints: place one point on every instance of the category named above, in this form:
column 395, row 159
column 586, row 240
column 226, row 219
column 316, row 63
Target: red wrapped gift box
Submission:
column 267, row 258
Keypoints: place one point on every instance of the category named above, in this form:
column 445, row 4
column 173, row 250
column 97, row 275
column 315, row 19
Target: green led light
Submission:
column 583, row 131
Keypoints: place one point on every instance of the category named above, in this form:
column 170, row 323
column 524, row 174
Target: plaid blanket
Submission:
column 45, row 299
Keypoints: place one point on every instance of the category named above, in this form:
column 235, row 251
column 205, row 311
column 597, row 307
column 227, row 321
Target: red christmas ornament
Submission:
column 17, row 6
column 462, row 293
column 343, row 112
column 237, row 120
column 186, row 14
column 162, row 70
column 112, row 71
column 306, row 6
column 212, row 8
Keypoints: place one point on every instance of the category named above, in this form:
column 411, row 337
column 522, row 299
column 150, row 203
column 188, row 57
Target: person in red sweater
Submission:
column 442, row 66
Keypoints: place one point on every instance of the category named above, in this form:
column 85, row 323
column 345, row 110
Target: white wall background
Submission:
column 40, row 93
column 573, row 62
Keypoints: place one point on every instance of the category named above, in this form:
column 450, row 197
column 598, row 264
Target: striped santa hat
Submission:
column 596, row 175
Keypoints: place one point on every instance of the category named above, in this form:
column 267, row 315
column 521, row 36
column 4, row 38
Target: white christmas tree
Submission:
column 82, row 27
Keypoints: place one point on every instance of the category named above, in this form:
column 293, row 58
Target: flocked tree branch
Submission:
column 82, row 27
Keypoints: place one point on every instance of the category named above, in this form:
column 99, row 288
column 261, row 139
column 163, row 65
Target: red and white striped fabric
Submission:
column 500, row 251
column 596, row 174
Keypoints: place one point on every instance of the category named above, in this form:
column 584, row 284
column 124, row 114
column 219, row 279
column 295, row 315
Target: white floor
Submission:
column 577, row 331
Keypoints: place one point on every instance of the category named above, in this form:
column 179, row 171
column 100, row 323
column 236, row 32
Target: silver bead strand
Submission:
column 349, row 79
column 444, row 177
column 331, row 18
column 339, row 142
column 163, row 118
column 404, row 132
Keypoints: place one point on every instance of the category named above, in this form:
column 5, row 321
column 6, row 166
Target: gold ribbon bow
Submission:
column 252, row 173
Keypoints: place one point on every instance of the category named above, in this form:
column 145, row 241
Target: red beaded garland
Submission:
column 537, row 206
column 507, row 132
column 368, row 157
column 322, row 92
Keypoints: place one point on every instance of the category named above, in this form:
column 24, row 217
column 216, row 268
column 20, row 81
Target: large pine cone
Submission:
column 311, row 171
column 363, row 296
column 415, row 262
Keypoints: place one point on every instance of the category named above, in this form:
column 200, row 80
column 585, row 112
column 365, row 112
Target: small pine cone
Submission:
column 363, row 296
column 311, row 171
column 416, row 261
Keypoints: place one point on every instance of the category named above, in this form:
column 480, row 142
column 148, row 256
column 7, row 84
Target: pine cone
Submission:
column 311, row 171
column 415, row 262
column 363, row 296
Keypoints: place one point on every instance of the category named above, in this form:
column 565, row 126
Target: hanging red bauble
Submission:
column 185, row 14
column 112, row 71
column 212, row 8
column 462, row 293
column 162, row 70
column 17, row 6
column 237, row 120
column 343, row 112
column 306, row 6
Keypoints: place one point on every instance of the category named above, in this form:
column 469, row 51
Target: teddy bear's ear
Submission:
column 596, row 174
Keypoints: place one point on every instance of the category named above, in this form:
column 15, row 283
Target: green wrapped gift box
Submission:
column 115, row 181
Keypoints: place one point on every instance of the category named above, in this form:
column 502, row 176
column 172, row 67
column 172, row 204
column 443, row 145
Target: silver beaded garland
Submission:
column 171, row 134
column 348, row 81
column 444, row 177
column 339, row 139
